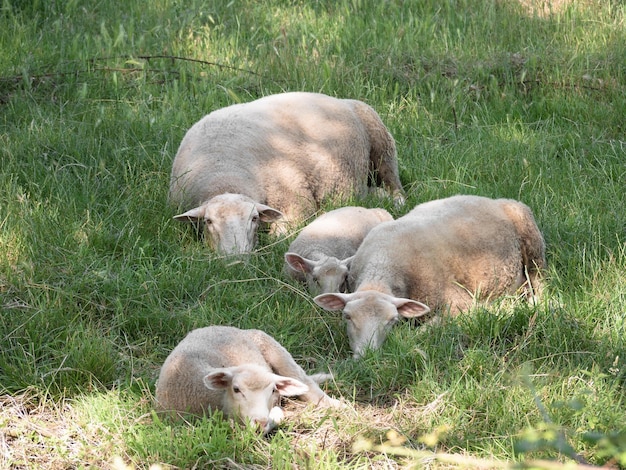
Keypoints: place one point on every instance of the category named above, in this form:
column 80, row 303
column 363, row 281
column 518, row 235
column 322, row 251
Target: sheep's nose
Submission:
column 262, row 424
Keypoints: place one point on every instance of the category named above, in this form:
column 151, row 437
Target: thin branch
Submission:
column 467, row 461
column 42, row 76
column 197, row 61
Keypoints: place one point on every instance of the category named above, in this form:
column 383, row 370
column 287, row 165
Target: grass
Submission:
column 97, row 283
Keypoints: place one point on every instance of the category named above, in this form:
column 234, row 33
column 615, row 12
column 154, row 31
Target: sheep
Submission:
column 277, row 159
column 321, row 254
column 243, row 373
column 443, row 255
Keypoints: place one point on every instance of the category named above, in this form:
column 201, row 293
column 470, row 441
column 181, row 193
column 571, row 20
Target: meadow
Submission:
column 524, row 99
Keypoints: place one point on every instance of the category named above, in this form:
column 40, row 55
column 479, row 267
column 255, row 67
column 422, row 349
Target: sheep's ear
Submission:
column 268, row 214
column 298, row 263
column 218, row 379
column 347, row 262
column 288, row 387
column 192, row 215
column 410, row 308
column 332, row 301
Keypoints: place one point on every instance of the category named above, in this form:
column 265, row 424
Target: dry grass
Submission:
column 41, row 434
column 350, row 431
column 401, row 439
column 45, row 435
column 35, row 433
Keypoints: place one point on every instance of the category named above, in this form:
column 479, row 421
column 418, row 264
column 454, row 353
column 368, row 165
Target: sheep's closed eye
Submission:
column 392, row 322
column 276, row 396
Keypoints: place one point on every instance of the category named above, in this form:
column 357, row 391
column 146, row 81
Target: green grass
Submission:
column 98, row 284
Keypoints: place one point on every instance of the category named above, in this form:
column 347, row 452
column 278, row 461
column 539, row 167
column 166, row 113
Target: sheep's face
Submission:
column 322, row 276
column 368, row 320
column 252, row 394
column 369, row 316
column 231, row 225
column 231, row 222
column 331, row 275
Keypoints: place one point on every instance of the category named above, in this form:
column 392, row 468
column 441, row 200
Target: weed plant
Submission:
column 521, row 99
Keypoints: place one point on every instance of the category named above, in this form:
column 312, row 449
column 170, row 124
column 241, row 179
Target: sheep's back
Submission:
column 440, row 260
column 337, row 233
column 301, row 141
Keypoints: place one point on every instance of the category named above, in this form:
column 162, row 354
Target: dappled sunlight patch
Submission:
column 14, row 268
column 544, row 8
column 608, row 280
column 14, row 236
column 11, row 248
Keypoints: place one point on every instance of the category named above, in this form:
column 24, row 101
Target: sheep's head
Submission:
column 329, row 274
column 369, row 315
column 231, row 222
column 252, row 393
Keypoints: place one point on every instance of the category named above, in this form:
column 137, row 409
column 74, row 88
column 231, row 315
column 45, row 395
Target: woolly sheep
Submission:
column 445, row 253
column 277, row 158
column 243, row 373
column 321, row 254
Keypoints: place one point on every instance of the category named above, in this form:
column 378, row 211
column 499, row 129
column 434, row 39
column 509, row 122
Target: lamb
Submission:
column 443, row 255
column 277, row 159
column 243, row 373
column 321, row 254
